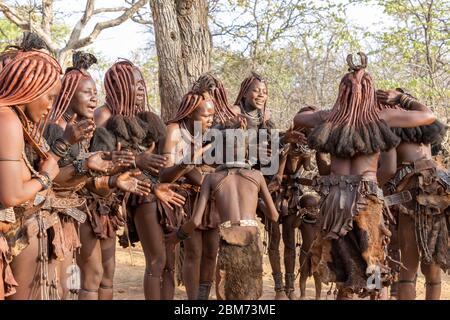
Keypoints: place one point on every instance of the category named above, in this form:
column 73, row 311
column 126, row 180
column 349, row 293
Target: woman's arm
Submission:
column 417, row 115
column 13, row 189
column 68, row 177
column 387, row 166
column 199, row 209
column 322, row 164
column 271, row 211
column 172, row 172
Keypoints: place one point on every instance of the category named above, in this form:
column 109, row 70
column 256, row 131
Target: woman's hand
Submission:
column 128, row 182
column 274, row 184
column 164, row 192
column 97, row 162
column 50, row 166
column 116, row 160
column 150, row 161
column 75, row 132
column 293, row 136
column 389, row 97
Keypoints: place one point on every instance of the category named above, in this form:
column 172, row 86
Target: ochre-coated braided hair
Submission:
column 30, row 41
column 353, row 126
column 28, row 76
column 207, row 87
column 120, row 86
column 81, row 62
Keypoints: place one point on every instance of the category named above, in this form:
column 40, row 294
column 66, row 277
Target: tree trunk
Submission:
column 183, row 44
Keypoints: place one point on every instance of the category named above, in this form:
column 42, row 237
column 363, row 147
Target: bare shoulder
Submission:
column 214, row 177
column 236, row 109
column 11, row 132
column 210, row 180
column 9, row 122
column 101, row 115
column 173, row 132
column 255, row 174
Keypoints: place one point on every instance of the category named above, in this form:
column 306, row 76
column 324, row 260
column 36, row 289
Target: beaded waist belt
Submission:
column 242, row 223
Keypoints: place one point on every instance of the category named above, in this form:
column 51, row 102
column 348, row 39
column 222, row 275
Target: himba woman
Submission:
column 78, row 166
column 205, row 104
column 251, row 104
column 29, row 83
column 350, row 248
column 123, row 120
column 422, row 223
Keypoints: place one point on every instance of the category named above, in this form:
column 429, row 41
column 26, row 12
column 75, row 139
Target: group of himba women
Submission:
column 72, row 174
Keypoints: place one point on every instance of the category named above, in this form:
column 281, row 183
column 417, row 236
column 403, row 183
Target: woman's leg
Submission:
column 275, row 260
column 168, row 284
column 210, row 246
column 432, row 273
column 89, row 260
column 318, row 285
column 152, row 240
column 409, row 258
column 105, row 292
column 191, row 264
column 26, row 269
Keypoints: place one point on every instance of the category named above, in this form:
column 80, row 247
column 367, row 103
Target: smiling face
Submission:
column 256, row 96
column 84, row 101
column 39, row 108
column 204, row 113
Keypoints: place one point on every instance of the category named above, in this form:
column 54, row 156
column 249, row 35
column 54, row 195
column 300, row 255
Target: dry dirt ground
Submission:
column 128, row 280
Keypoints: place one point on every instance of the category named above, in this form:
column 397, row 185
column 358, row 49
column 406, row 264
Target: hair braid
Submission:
column 354, row 126
column 24, row 79
column 120, row 89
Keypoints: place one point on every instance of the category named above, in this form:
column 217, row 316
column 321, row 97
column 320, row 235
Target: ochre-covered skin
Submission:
column 29, row 81
column 353, row 126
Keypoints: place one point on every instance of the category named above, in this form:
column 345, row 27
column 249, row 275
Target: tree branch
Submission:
column 76, row 32
column 104, row 10
column 99, row 27
column 47, row 16
column 12, row 15
column 140, row 20
column 26, row 25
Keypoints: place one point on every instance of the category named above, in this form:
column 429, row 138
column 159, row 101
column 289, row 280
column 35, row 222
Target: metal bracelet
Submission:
column 111, row 182
column 101, row 183
column 405, row 101
column 60, row 147
column 79, row 167
column 44, row 180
